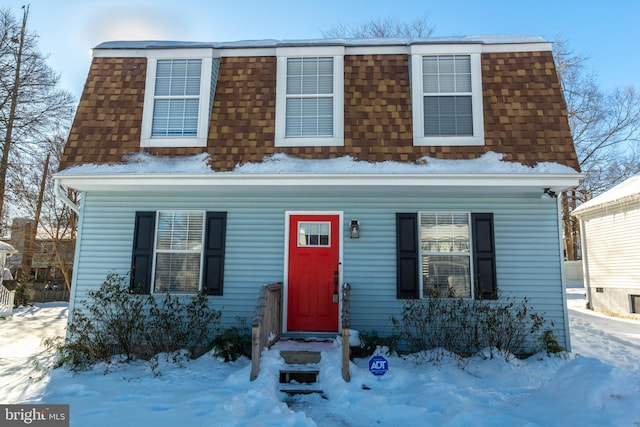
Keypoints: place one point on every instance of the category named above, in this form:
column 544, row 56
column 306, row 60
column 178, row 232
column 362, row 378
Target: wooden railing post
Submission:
column 266, row 326
column 346, row 325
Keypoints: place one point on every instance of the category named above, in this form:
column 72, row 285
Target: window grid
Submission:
column 316, row 234
column 178, row 257
column 445, row 254
column 176, row 98
column 309, row 97
column 447, row 96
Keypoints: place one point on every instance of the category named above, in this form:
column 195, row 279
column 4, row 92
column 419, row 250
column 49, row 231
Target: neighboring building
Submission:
column 610, row 230
column 47, row 257
column 399, row 166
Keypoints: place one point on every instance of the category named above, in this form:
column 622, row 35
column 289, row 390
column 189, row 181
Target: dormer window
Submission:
column 447, row 99
column 177, row 99
column 310, row 97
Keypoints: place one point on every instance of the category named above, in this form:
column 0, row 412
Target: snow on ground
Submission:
column 597, row 385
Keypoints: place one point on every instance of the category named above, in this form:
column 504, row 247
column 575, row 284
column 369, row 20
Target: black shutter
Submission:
column 484, row 257
column 142, row 254
column 213, row 271
column 407, row 255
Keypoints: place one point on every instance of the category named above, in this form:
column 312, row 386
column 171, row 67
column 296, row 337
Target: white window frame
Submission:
column 469, row 253
column 319, row 245
column 417, row 96
column 200, row 140
column 156, row 251
column 282, row 54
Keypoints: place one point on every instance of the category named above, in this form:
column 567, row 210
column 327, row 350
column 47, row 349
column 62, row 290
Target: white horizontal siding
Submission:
column 612, row 255
column 526, row 233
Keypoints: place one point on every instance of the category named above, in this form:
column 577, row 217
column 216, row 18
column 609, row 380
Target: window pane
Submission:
column 294, row 85
column 446, row 276
column 445, row 65
column 177, row 273
column 448, row 115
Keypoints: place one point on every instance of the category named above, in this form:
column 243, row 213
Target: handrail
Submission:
column 346, row 325
column 266, row 326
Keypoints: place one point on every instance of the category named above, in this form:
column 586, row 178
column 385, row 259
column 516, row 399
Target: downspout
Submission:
column 57, row 190
column 565, row 309
column 585, row 264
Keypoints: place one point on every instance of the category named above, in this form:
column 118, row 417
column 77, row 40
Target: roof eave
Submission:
column 220, row 181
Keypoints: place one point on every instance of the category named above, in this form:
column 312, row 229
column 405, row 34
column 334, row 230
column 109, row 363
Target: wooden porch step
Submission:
column 293, row 389
column 300, row 357
column 306, row 374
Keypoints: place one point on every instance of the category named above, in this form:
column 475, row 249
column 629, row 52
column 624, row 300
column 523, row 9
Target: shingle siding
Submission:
column 524, row 113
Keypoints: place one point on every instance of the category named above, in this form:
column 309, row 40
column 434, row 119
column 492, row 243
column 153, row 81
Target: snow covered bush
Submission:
column 113, row 321
column 465, row 327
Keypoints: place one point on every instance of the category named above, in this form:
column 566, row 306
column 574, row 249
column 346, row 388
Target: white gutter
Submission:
column 60, row 194
column 163, row 182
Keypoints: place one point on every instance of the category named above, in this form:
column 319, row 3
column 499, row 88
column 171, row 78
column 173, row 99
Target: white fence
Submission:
column 6, row 301
column 573, row 272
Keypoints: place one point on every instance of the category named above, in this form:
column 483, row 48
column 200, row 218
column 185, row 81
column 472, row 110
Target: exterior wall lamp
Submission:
column 548, row 194
column 354, row 229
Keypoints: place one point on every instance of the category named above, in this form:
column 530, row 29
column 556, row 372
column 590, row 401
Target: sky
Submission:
column 604, row 31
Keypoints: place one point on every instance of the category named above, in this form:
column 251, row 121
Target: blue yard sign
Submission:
column 378, row 365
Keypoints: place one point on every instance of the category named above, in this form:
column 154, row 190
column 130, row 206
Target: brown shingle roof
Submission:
column 524, row 112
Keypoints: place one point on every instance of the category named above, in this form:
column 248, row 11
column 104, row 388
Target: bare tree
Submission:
column 606, row 133
column 32, row 108
column 33, row 188
column 381, row 27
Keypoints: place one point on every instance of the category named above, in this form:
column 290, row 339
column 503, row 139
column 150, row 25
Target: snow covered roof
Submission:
column 5, row 247
column 280, row 163
column 154, row 173
column 626, row 192
column 271, row 43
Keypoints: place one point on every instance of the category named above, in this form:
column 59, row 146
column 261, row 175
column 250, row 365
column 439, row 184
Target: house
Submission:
column 401, row 167
column 610, row 229
column 46, row 259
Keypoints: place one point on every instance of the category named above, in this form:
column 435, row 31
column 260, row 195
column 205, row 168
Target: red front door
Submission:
column 314, row 256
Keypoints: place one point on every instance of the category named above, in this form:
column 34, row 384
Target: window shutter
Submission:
column 484, row 258
column 142, row 254
column 407, row 255
column 213, row 271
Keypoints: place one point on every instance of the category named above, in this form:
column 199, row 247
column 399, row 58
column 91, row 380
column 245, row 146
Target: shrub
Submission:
column 174, row 324
column 24, row 293
column 233, row 342
column 465, row 327
column 370, row 341
column 112, row 320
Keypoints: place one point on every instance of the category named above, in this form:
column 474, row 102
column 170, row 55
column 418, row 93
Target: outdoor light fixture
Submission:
column 548, row 194
column 354, row 229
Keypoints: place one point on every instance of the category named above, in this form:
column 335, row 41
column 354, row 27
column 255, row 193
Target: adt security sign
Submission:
column 378, row 365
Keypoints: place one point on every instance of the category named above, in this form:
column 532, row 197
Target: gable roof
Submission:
column 524, row 110
column 625, row 193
